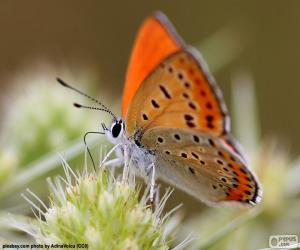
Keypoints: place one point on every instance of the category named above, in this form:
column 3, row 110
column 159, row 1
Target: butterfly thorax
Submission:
column 138, row 156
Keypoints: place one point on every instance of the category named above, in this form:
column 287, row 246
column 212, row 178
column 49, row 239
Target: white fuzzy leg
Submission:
column 113, row 162
column 152, row 183
column 109, row 153
column 156, row 196
column 126, row 163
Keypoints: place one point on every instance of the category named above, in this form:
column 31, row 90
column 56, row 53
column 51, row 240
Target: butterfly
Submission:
column 174, row 122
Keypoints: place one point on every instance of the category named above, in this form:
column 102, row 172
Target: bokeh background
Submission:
column 88, row 43
column 98, row 35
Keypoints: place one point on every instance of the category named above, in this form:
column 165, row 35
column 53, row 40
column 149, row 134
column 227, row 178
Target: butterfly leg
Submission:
column 126, row 163
column 113, row 162
column 156, row 201
column 152, row 183
column 105, row 160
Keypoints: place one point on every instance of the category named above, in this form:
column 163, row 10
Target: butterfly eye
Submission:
column 116, row 129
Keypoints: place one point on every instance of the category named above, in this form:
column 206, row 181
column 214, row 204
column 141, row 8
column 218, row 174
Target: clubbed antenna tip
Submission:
column 77, row 105
column 62, row 82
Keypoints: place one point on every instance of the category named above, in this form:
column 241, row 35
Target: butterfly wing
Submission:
column 202, row 165
column 179, row 93
column 155, row 41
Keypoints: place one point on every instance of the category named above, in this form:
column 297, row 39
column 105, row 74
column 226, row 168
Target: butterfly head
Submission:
column 116, row 131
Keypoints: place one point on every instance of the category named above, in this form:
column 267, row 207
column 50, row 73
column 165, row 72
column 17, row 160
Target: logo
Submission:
column 287, row 241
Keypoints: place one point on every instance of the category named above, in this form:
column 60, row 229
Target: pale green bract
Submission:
column 101, row 211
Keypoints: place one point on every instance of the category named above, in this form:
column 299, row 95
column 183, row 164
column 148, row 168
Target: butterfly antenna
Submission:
column 77, row 105
column 106, row 109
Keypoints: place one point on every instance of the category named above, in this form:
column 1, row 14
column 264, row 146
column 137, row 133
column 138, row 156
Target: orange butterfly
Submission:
column 175, row 123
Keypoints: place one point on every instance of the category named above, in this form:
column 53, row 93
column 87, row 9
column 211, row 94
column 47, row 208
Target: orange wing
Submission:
column 179, row 93
column 155, row 41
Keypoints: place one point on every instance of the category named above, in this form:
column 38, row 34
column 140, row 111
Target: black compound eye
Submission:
column 116, row 129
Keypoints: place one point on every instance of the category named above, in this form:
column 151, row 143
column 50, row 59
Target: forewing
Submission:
column 155, row 41
column 180, row 93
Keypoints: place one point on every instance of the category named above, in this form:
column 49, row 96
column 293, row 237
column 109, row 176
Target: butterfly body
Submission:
column 174, row 120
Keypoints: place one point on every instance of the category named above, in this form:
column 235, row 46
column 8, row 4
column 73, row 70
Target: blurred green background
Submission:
column 87, row 43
